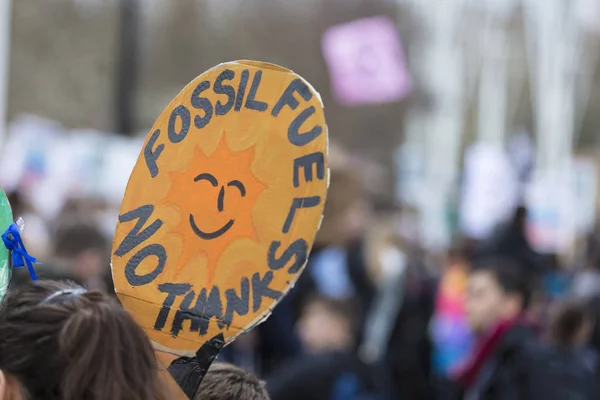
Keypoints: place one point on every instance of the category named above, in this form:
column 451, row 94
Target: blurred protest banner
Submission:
column 490, row 189
column 551, row 221
column 222, row 206
column 562, row 205
column 33, row 161
column 49, row 164
column 366, row 62
column 585, row 189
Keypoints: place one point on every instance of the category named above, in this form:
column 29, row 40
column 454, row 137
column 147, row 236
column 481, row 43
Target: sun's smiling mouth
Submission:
column 220, row 205
column 210, row 235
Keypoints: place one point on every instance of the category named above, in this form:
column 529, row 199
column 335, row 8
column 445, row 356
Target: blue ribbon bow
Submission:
column 13, row 242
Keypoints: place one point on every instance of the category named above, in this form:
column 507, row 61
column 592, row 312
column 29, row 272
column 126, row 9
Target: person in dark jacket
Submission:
column 570, row 329
column 509, row 362
column 329, row 370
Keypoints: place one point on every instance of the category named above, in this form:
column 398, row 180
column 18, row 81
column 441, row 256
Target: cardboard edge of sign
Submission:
column 267, row 313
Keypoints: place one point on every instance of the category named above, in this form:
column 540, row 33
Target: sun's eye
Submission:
column 207, row 177
column 238, row 185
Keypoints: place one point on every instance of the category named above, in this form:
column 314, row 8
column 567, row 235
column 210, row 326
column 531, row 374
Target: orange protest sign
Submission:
column 222, row 206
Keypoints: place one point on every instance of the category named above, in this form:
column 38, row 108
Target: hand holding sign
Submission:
column 222, row 206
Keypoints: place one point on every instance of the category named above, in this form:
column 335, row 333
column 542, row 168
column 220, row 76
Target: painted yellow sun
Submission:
column 218, row 210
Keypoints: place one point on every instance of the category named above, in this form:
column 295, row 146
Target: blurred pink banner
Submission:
column 366, row 62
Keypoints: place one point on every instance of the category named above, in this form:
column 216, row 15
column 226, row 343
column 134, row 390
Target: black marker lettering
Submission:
column 198, row 322
column 307, row 162
column 173, row 290
column 214, row 308
column 300, row 139
column 201, row 313
column 133, row 278
column 298, row 249
column 239, row 305
column 260, row 289
column 239, row 100
column 150, row 155
column 134, row 238
column 185, row 312
column 202, row 103
column 184, row 114
column 301, row 202
column 219, row 88
column 251, row 103
column 288, row 99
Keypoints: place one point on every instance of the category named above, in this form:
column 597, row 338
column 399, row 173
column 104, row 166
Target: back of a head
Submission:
column 62, row 343
column 571, row 324
column 228, row 382
column 75, row 238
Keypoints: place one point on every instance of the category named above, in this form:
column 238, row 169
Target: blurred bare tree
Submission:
column 62, row 61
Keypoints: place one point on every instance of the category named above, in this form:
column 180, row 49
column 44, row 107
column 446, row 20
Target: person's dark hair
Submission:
column 594, row 309
column 568, row 321
column 75, row 238
column 510, row 275
column 62, row 343
column 518, row 221
column 461, row 248
column 592, row 256
column 17, row 203
column 228, row 382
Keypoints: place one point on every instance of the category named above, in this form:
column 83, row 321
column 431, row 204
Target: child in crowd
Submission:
column 329, row 370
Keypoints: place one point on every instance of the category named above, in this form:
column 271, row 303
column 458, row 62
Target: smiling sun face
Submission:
column 220, row 206
column 217, row 211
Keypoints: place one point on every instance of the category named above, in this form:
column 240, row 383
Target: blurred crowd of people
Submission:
column 373, row 316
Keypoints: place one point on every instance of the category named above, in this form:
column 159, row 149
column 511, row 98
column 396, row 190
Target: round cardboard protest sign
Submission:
column 6, row 219
column 222, row 206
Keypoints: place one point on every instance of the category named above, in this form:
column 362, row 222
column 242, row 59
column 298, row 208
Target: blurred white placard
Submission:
column 521, row 152
column 584, row 186
column 49, row 164
column 409, row 161
column 490, row 189
column 551, row 222
column 31, row 162
column 562, row 204
column 119, row 159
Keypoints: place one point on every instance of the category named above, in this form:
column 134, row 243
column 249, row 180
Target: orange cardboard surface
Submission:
column 222, row 206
